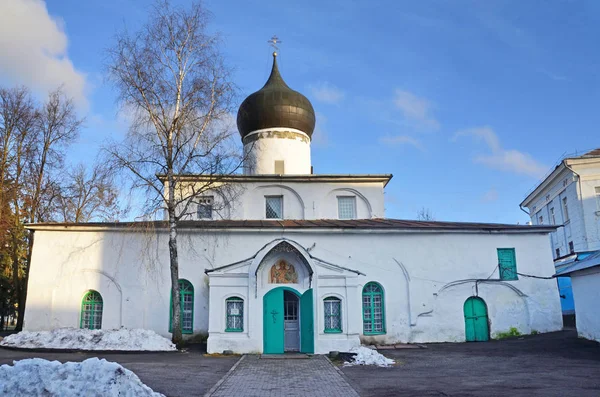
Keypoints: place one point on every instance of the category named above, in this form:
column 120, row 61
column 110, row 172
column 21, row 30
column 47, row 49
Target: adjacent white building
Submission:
column 569, row 197
column 295, row 261
column 585, row 281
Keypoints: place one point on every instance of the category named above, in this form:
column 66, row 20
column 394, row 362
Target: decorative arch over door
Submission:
column 476, row 320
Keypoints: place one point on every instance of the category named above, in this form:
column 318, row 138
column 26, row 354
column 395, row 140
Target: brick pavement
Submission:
column 255, row 376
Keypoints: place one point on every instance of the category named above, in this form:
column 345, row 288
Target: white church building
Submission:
column 299, row 262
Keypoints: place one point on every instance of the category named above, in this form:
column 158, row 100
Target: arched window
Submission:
column 91, row 311
column 333, row 315
column 186, row 306
column 373, row 309
column 235, row 314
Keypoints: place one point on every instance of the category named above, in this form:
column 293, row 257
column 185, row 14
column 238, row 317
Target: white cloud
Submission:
column 490, row 195
column 320, row 137
column 415, row 109
column 401, row 140
column 33, row 45
column 327, row 93
column 502, row 159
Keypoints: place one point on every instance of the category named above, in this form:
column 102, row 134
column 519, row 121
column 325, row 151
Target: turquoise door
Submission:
column 273, row 326
column 307, row 329
column 476, row 320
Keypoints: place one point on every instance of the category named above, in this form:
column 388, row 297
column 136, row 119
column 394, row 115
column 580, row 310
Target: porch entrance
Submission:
column 288, row 321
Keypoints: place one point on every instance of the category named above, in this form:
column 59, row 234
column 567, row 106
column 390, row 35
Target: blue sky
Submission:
column 467, row 103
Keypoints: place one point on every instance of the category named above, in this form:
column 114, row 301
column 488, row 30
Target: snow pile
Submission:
column 92, row 377
column 366, row 356
column 85, row 339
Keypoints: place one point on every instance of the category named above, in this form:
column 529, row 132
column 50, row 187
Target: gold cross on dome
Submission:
column 273, row 42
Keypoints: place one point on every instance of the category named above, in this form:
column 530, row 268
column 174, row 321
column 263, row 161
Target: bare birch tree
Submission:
column 171, row 79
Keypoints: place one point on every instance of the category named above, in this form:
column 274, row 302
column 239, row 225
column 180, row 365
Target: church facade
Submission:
column 297, row 262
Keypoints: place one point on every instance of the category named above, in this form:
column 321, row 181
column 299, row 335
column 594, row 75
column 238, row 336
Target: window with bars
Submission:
column 186, row 307
column 346, row 207
column 373, row 309
column 91, row 311
column 333, row 315
column 235, row 315
column 274, row 207
column 205, row 207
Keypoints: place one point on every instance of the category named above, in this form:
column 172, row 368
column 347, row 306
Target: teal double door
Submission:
column 288, row 321
column 476, row 320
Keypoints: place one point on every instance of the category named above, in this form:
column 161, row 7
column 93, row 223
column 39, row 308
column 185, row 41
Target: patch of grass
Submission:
column 511, row 333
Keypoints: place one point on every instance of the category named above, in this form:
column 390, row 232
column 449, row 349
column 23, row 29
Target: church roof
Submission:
column 375, row 224
column 275, row 105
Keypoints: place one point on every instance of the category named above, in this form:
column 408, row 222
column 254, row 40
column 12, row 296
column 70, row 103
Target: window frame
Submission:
column 191, row 292
column 502, row 270
column 353, row 200
column 98, row 302
column 210, row 204
column 326, row 316
column 280, row 197
column 552, row 216
column 372, row 294
column 565, row 206
column 234, row 299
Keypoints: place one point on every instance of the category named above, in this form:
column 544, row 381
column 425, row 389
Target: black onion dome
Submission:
column 275, row 105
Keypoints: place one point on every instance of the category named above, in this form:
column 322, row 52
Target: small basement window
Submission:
column 507, row 264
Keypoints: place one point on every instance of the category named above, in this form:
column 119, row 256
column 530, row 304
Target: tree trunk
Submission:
column 174, row 261
column 22, row 287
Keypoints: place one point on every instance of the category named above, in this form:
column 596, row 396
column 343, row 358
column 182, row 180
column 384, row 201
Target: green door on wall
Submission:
column 273, row 326
column 476, row 320
column 274, row 321
column 307, row 336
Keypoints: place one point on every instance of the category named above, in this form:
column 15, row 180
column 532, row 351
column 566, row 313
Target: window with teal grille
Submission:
column 91, row 311
column 373, row 309
column 333, row 315
column 507, row 264
column 186, row 307
column 235, row 315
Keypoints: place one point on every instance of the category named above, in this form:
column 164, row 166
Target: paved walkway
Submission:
column 256, row 376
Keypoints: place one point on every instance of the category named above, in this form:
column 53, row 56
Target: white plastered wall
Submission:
column 586, row 293
column 426, row 278
column 260, row 155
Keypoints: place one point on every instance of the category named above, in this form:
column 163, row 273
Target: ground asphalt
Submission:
column 555, row 364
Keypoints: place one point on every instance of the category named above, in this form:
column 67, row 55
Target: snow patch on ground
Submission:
column 85, row 339
column 366, row 356
column 92, row 377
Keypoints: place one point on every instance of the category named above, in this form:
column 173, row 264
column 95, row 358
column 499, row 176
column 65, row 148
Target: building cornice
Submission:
column 308, row 178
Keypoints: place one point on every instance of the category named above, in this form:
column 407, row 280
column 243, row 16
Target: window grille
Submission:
column 205, row 207
column 235, row 315
column 91, row 311
column 186, row 306
column 274, row 207
column 333, row 315
column 373, row 309
column 347, row 207
column 507, row 264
